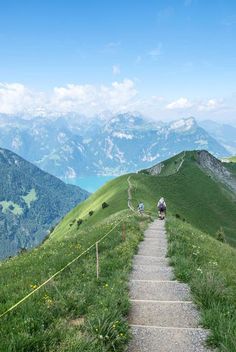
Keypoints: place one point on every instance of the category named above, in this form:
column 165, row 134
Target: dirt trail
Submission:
column 180, row 165
column 130, row 206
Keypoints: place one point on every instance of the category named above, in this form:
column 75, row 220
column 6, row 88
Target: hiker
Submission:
column 141, row 208
column 161, row 206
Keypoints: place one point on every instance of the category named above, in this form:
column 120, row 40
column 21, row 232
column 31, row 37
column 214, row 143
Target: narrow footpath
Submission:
column 163, row 317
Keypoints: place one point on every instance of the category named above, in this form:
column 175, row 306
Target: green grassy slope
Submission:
column 192, row 194
column 77, row 312
column 208, row 266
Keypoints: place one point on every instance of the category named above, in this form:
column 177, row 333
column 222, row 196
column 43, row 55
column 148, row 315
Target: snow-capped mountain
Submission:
column 69, row 148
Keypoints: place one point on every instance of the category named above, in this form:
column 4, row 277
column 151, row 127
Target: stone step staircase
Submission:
column 163, row 317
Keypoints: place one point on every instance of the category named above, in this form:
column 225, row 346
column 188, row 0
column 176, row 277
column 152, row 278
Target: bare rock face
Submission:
column 216, row 168
column 155, row 170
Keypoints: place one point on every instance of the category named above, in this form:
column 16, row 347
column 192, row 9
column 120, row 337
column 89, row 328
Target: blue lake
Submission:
column 90, row 183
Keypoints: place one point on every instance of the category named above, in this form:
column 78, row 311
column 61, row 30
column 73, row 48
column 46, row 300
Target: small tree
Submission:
column 91, row 212
column 79, row 222
column 104, row 205
column 220, row 235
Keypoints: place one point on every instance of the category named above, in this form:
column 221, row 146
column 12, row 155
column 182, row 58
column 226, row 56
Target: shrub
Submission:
column 91, row 212
column 79, row 222
column 104, row 205
column 220, row 235
column 177, row 216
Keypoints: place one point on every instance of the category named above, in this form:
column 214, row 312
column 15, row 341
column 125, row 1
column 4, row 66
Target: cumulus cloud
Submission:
column 16, row 98
column 92, row 100
column 181, row 103
column 85, row 99
column 210, row 105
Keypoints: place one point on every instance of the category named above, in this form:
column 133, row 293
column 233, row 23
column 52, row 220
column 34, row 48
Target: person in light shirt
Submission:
column 161, row 207
column 141, row 208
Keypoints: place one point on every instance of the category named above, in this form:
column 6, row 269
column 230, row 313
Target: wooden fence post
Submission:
column 123, row 232
column 97, row 258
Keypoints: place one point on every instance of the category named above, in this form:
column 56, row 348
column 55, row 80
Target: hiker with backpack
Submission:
column 141, row 208
column 161, row 207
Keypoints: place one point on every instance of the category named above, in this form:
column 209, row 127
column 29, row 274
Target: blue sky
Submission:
column 165, row 57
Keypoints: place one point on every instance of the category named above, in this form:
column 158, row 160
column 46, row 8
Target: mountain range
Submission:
column 69, row 148
column 31, row 203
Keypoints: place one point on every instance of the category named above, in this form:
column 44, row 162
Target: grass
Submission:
column 193, row 195
column 208, row 266
column 75, row 311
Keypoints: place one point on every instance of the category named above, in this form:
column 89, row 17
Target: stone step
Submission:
column 164, row 314
column 149, row 260
column 149, row 245
column 151, row 272
column 152, row 251
column 151, row 238
column 159, row 290
column 155, row 240
column 156, row 230
column 159, row 339
column 154, row 234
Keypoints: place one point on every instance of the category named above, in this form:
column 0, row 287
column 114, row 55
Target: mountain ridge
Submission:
column 31, row 202
column 123, row 143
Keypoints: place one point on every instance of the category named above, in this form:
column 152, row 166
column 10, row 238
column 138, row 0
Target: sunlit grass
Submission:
column 209, row 267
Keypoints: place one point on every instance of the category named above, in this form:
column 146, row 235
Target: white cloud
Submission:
column 119, row 96
column 210, row 105
column 116, row 70
column 181, row 103
column 85, row 99
column 16, row 98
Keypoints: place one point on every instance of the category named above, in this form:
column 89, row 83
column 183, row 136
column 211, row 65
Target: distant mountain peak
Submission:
column 183, row 125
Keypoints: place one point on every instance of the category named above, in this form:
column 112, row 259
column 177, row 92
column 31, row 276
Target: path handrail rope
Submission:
column 75, row 259
column 59, row 271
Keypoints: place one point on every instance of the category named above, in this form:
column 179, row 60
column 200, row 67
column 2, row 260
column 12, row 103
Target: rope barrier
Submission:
column 59, row 271
column 75, row 259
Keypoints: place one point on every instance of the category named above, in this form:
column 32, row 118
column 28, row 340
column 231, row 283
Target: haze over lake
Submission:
column 90, row 183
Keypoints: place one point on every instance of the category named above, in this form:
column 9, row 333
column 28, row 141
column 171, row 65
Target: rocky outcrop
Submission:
column 155, row 170
column 216, row 169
